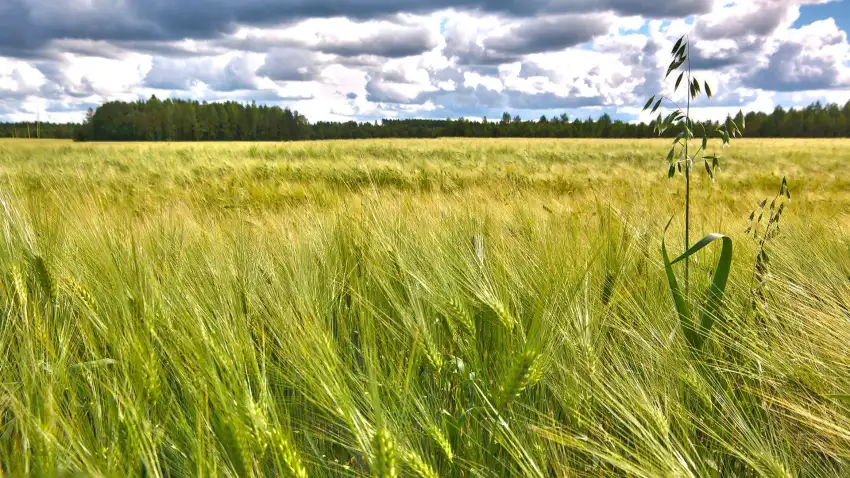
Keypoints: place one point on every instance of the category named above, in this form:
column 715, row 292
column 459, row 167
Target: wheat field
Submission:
column 428, row 308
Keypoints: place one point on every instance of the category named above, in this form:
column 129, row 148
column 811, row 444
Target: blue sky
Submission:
column 838, row 10
column 362, row 59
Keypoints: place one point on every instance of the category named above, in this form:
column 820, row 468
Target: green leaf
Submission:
column 681, row 52
column 657, row 105
column 707, row 90
column 673, row 66
column 672, row 171
column 677, row 45
column 670, row 154
column 648, row 103
column 731, row 127
column 711, row 310
column 683, row 309
column 679, row 81
column 704, row 141
column 708, row 170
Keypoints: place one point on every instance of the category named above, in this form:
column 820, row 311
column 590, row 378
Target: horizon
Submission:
column 553, row 118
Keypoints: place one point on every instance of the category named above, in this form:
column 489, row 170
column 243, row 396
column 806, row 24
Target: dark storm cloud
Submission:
column 28, row 25
column 180, row 74
column 760, row 22
column 480, row 59
column 527, row 36
column 380, row 91
column 541, row 101
column 390, row 41
column 290, row 64
column 549, row 34
column 466, row 50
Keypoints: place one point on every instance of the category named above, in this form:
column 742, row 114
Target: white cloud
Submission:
column 422, row 58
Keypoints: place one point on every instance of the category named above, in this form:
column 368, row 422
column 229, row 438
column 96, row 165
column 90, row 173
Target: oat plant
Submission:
column 763, row 233
column 681, row 157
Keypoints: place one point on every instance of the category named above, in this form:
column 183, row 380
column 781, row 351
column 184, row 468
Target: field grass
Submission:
column 414, row 308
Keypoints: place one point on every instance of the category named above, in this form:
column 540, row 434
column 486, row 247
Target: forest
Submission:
column 38, row 130
column 184, row 120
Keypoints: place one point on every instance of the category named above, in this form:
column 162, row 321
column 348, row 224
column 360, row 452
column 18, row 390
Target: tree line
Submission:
column 38, row 130
column 182, row 120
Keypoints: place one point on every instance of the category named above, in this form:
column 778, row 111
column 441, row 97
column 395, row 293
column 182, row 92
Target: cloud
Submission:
column 18, row 80
column 549, row 34
column 338, row 36
column 343, row 59
column 290, row 64
column 742, row 19
column 540, row 101
column 810, row 58
column 737, row 33
column 29, row 25
column 382, row 90
column 391, row 41
column 238, row 73
column 483, row 98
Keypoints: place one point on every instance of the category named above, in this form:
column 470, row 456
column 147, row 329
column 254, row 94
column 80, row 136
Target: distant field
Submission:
column 447, row 307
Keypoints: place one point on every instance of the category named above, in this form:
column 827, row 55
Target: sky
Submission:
column 342, row 60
